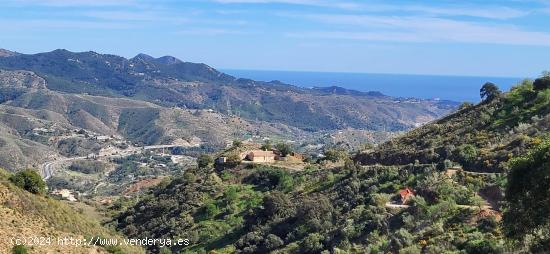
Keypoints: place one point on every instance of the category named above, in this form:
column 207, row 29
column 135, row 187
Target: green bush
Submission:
column 88, row 167
column 267, row 146
column 527, row 194
column 165, row 250
column 30, row 181
column 467, row 153
column 542, row 83
column 233, row 160
column 237, row 143
column 312, row 243
column 482, row 246
column 268, row 179
column 19, row 249
column 335, row 155
column 284, row 148
column 204, row 160
column 211, row 210
column 465, row 105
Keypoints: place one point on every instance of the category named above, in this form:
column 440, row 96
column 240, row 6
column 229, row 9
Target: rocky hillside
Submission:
column 46, row 98
column 168, row 81
column 35, row 118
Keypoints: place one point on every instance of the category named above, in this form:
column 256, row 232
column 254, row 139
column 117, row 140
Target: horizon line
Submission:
column 373, row 73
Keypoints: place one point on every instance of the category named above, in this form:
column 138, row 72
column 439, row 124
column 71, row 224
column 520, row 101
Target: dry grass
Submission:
column 23, row 214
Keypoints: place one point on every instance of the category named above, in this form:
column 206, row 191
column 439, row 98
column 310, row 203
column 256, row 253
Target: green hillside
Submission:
column 481, row 138
column 357, row 208
column 266, row 210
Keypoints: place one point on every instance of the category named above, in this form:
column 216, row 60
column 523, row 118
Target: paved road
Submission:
column 158, row 147
column 47, row 169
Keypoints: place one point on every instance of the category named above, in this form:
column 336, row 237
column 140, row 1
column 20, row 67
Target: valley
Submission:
column 160, row 148
column 274, row 127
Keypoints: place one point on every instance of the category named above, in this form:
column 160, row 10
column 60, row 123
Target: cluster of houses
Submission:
column 56, row 134
column 43, row 131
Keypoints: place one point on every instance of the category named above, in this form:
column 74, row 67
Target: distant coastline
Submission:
column 455, row 88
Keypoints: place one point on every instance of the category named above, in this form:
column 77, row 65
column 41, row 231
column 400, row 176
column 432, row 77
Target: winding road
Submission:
column 47, row 169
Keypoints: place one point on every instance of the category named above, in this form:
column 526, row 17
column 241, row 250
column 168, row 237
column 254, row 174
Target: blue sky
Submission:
column 484, row 38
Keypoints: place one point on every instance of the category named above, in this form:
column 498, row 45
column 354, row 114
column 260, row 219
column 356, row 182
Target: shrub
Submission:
column 465, row 105
column 211, row 210
column 204, row 160
column 273, row 242
column 312, row 243
column 284, row 149
column 250, row 242
column 481, row 246
column 233, row 160
column 467, row 153
column 488, row 224
column 165, row 250
column 335, row 155
column 30, row 181
column 440, row 166
column 277, row 204
column 527, row 193
column 413, row 249
column 445, row 164
column 267, row 146
column 19, row 249
column 541, row 83
column 268, row 179
column 237, row 143
column 88, row 167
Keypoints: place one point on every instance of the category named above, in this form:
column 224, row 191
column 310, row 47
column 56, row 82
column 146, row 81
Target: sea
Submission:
column 454, row 88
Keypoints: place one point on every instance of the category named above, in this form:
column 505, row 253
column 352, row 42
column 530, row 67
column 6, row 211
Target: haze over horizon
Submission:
column 472, row 38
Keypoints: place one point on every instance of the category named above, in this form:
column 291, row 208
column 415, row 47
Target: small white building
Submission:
column 65, row 194
column 103, row 138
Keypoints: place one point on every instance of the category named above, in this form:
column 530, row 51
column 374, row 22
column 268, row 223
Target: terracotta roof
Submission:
column 406, row 192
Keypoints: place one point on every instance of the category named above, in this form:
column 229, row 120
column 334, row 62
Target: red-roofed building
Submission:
column 406, row 194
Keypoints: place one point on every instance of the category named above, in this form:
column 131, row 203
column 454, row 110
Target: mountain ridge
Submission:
column 7, row 53
column 169, row 82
